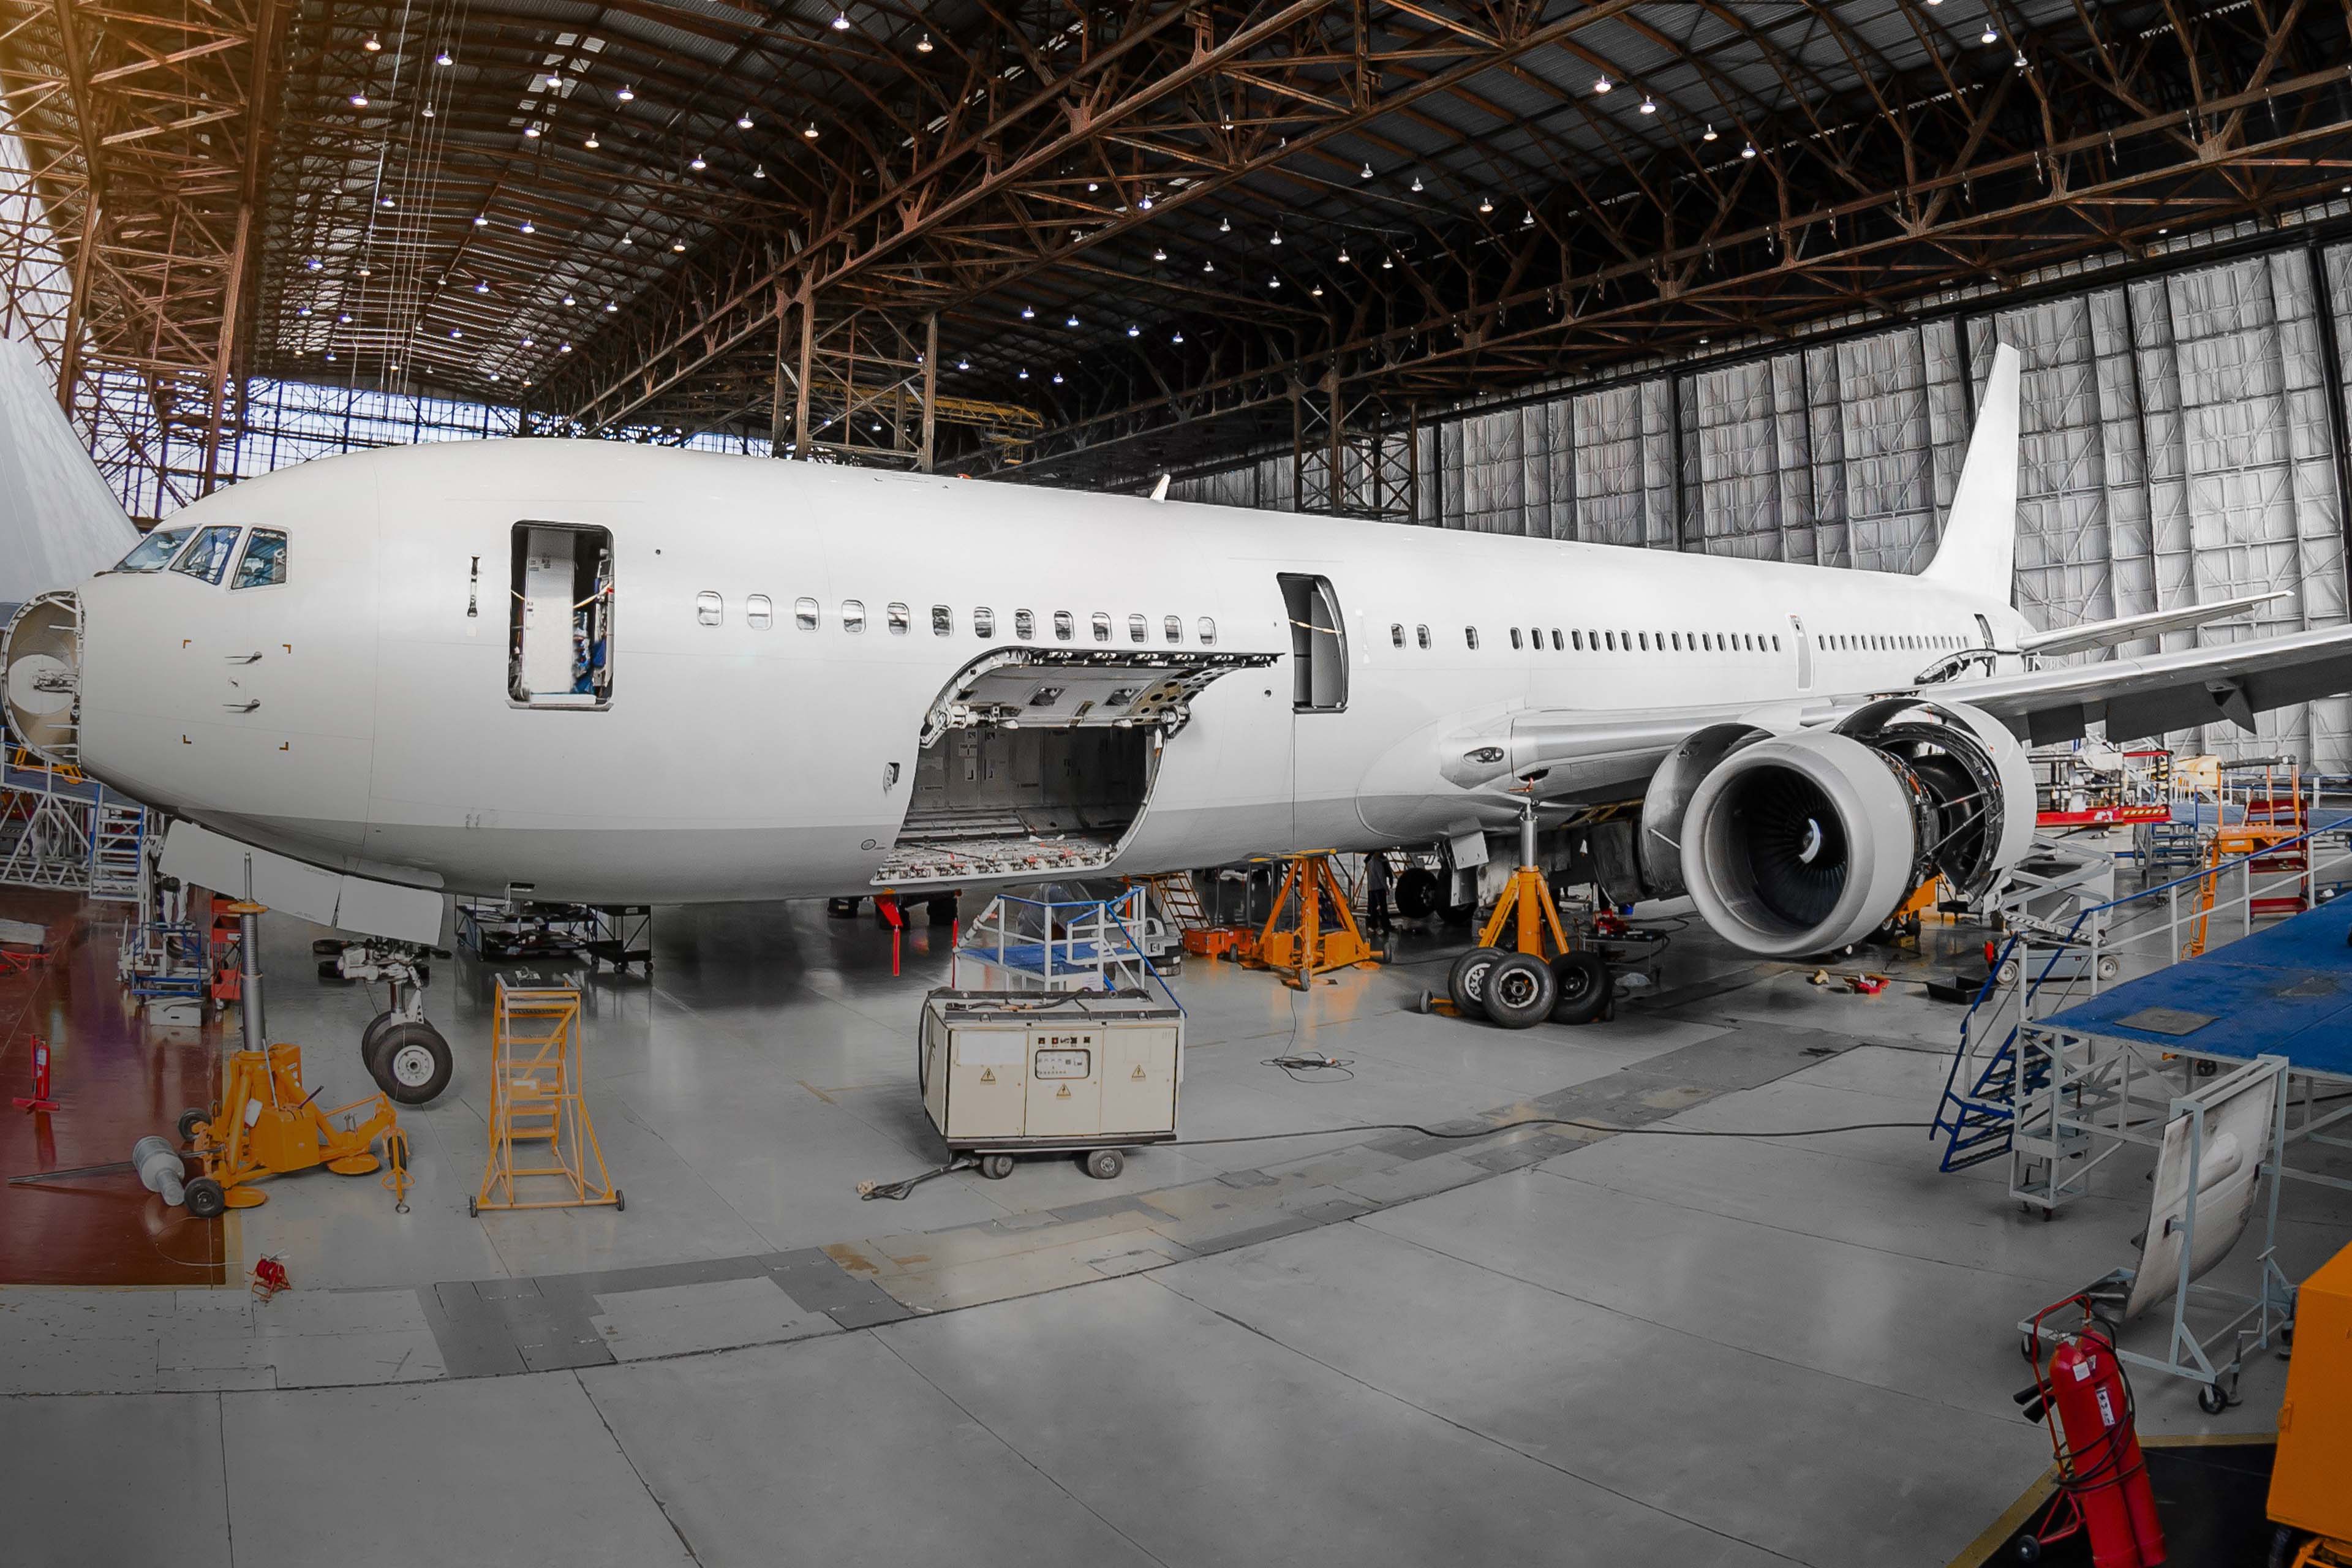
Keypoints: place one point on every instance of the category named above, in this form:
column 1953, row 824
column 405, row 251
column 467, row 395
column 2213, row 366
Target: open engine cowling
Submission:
column 1803, row 843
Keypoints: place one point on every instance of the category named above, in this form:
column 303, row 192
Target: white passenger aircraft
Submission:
column 603, row 672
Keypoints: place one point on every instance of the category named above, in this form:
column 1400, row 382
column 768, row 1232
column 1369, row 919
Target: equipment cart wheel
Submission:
column 996, row 1167
column 411, row 1062
column 2212, row 1399
column 2029, row 1549
column 1520, row 991
column 1583, row 986
column 473, row 1208
column 1104, row 1163
column 195, row 1116
column 620, row 1201
column 1467, row 981
column 205, row 1199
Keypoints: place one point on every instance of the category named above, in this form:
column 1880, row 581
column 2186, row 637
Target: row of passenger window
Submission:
column 760, row 613
column 1610, row 642
column 263, row 564
column 1596, row 641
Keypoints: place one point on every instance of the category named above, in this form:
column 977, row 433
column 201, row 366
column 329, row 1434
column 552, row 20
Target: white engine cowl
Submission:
column 1804, row 843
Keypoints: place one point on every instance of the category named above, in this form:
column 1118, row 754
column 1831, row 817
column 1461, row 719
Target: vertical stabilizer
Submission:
column 1979, row 552
column 58, row 520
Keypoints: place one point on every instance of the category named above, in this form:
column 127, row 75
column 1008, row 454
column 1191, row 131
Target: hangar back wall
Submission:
column 2180, row 443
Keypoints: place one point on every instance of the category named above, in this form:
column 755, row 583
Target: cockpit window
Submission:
column 154, row 552
column 209, row 557
column 264, row 562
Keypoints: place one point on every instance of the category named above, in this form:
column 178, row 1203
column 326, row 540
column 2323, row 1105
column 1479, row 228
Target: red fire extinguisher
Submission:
column 2084, row 1398
column 40, row 1099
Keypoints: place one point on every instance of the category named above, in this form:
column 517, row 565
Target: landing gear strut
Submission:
column 405, row 1054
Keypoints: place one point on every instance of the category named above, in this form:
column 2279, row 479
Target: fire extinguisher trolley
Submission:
column 2082, row 1395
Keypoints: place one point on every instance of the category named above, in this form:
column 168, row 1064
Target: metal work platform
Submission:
column 62, row 829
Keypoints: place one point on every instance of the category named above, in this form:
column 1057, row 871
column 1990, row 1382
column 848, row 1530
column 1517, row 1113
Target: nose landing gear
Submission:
column 404, row 1053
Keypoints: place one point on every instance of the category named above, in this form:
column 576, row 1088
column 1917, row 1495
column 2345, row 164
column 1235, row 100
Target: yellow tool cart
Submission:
column 2311, row 1484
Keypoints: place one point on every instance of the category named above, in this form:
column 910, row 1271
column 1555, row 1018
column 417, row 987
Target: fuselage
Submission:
column 775, row 636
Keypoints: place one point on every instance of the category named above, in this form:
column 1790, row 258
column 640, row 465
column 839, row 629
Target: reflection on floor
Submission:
column 1358, row 1347
column 115, row 1081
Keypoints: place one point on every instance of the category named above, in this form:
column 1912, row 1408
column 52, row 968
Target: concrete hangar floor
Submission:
column 1359, row 1349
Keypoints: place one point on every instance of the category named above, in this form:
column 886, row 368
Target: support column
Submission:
column 930, row 389
column 800, row 445
column 776, row 397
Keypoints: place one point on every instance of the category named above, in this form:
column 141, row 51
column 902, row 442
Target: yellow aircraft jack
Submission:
column 265, row 1126
column 1309, row 948
column 1522, row 986
column 268, row 1127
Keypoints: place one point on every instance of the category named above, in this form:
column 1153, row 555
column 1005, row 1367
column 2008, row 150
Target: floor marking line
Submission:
column 621, row 1448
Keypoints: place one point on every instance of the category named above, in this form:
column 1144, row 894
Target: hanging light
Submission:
column 841, row 21
column 1416, row 182
column 1025, row 373
column 570, row 300
column 1133, row 331
column 759, row 171
column 1057, row 378
column 1529, row 221
column 428, row 111
column 1144, row 201
column 1992, row 36
column 564, row 348
column 1748, row 150
column 371, row 44
column 383, row 201
column 1273, row 282
column 1485, row 203
column 1708, row 135
column 482, row 286
column 529, row 227
column 811, row 132
column 923, row 45
column 1601, row 82
column 612, row 307
column 1210, row 264
column 627, row 95
column 1092, row 186
column 1388, row 263
column 677, row 247
column 531, row 130
column 1028, row 312
column 626, row 240
column 481, row 221
column 697, row 163
column 313, row 264
column 1316, row 290
column 344, row 318
column 1159, row 253
column 743, row 121
column 1224, row 225
column 1366, row 172
column 443, row 59
column 1278, row 236
column 454, row 332
column 1073, row 320
column 592, row 143
column 1343, row 253
column 963, row 365
column 1649, row 104
column 1178, row 338
column 302, row 310
column 359, row 101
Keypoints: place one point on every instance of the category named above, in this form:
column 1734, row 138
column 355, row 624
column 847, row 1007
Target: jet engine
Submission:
column 1804, row 842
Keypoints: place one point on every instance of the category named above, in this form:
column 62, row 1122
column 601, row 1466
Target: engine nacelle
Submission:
column 1804, row 843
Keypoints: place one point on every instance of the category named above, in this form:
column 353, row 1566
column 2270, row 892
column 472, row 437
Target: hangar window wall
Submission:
column 2177, row 445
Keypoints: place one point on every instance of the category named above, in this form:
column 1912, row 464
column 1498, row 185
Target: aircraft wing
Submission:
column 2104, row 633
column 2149, row 695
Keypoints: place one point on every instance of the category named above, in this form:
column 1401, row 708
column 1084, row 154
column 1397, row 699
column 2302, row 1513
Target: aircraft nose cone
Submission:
column 40, row 677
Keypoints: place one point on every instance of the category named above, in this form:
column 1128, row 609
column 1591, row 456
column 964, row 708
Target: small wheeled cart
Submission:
column 1083, row 1072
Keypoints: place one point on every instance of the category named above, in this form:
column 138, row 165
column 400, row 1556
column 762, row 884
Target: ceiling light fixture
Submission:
column 1365, row 174
column 443, row 59
column 1708, row 134
column 1144, row 201
column 811, row 132
column 1343, row 254
column 743, row 121
column 627, row 95
column 527, row 226
column 1210, row 264
column 1278, row 236
column 1485, row 203
column 1178, row 338
column 428, row 111
column 1273, row 282
column 1133, row 331
column 1316, row 290
column 1224, row 225
column 1529, row 221
column 1093, row 186
column 592, row 143
column 359, row 101
column 1416, row 182
column 697, row 163
column 1073, row 320
column 1748, row 150
column 570, row 299
column 343, row 317
column 1057, row 378
column 480, row 221
column 923, row 45
column 1649, row 104
column 1601, row 82
column 1388, row 263
column 482, row 286
column 313, row 264
column 454, row 332
column 1991, row 34
column 371, row 44
column 1159, row 253
column 1028, row 312
column 383, row 201
column 963, row 365
column 759, row 171
column 612, row 307
column 677, row 247
column 1025, row 373
column 841, row 21
column 564, row 349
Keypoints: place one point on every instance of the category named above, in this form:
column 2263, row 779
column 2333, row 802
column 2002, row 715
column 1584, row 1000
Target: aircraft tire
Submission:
column 1583, row 984
column 1467, row 981
column 1417, row 893
column 1520, row 991
column 412, row 1063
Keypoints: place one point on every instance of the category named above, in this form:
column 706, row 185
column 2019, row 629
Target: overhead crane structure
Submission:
column 1096, row 240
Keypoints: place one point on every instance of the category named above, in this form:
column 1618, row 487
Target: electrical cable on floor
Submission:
column 897, row 1191
column 1312, row 1062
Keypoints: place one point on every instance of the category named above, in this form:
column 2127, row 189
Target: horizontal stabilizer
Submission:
column 2130, row 628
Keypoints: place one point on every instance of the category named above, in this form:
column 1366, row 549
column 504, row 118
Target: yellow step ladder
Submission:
column 535, row 1098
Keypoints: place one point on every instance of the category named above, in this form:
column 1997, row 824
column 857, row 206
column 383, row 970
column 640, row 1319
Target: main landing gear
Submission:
column 404, row 1053
column 1517, row 986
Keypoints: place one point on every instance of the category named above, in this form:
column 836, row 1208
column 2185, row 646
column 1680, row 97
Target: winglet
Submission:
column 1979, row 552
column 1160, row 491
